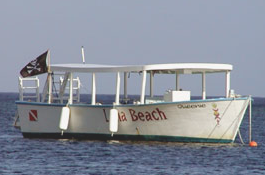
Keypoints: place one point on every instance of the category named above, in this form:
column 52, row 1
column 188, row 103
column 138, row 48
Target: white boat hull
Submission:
column 215, row 120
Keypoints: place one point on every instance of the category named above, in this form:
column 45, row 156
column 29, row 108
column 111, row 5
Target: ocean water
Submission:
column 48, row 156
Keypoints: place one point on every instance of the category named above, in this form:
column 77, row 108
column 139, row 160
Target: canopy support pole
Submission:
column 125, row 86
column 177, row 81
column 118, row 83
column 93, row 97
column 49, row 87
column 203, row 86
column 227, row 88
column 70, row 101
column 151, row 83
column 143, row 87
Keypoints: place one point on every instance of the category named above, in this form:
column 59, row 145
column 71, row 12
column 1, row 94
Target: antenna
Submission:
column 83, row 54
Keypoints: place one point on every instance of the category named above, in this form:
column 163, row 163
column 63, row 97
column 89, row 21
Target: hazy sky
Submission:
column 138, row 32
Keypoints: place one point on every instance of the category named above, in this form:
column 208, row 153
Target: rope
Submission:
column 239, row 134
column 236, row 118
column 232, row 122
column 16, row 120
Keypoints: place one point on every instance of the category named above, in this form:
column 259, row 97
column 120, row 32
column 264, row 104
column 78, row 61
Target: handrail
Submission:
column 28, row 95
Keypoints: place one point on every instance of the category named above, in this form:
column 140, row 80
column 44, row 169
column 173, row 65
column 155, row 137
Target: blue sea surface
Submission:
column 49, row 156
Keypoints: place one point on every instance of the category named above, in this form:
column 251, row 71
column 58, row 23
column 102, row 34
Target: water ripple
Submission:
column 48, row 156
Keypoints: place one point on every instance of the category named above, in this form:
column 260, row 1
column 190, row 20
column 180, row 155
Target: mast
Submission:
column 83, row 55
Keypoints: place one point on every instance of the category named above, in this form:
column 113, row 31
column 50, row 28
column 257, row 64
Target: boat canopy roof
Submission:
column 172, row 68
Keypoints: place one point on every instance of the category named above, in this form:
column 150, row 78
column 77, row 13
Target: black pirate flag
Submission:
column 35, row 67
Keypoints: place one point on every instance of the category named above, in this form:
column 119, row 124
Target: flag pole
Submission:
column 49, row 78
column 49, row 60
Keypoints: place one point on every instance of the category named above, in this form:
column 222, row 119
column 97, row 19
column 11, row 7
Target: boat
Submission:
column 172, row 117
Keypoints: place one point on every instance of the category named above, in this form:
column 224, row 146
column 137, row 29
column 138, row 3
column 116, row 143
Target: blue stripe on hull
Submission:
column 124, row 137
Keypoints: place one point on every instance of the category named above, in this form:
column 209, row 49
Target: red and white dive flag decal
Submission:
column 36, row 67
column 33, row 115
